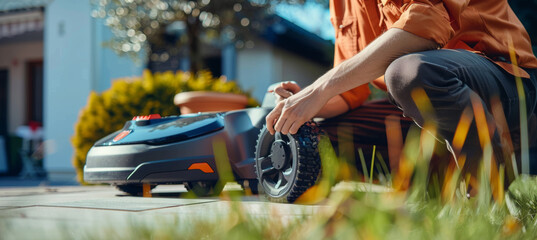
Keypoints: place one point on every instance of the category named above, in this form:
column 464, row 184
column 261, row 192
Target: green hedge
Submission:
column 108, row 111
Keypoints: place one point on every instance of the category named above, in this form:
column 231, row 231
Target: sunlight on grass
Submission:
column 414, row 201
column 411, row 209
column 351, row 215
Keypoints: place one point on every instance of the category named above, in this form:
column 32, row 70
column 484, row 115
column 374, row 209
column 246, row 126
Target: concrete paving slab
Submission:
column 129, row 203
column 32, row 191
column 81, row 212
column 46, row 222
column 37, row 197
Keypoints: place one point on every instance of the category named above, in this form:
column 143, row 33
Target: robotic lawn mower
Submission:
column 179, row 150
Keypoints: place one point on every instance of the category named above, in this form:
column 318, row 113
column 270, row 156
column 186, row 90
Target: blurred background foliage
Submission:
column 157, row 29
column 163, row 28
column 108, row 111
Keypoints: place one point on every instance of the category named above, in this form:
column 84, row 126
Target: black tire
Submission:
column 204, row 188
column 287, row 165
column 133, row 189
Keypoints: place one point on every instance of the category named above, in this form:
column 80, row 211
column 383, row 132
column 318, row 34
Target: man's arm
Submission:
column 364, row 67
column 334, row 107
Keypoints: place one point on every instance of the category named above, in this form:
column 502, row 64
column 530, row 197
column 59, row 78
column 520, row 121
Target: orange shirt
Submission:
column 482, row 26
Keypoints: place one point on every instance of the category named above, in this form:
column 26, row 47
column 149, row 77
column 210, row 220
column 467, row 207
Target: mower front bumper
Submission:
column 159, row 164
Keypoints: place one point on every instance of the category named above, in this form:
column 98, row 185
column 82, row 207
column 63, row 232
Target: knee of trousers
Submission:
column 408, row 73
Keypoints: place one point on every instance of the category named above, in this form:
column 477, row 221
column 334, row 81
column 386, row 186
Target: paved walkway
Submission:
column 55, row 212
column 62, row 209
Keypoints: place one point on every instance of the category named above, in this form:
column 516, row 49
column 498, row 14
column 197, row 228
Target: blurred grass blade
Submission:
column 223, row 167
column 481, row 120
column 423, row 104
column 364, row 166
column 346, row 152
column 395, row 140
column 405, row 170
column 524, row 144
column 451, row 180
column 372, row 163
column 490, row 168
column 511, row 168
column 385, row 169
column 461, row 132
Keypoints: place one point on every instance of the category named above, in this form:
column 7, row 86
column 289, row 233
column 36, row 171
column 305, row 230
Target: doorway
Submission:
column 34, row 92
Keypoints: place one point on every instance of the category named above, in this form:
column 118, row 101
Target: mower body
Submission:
column 177, row 149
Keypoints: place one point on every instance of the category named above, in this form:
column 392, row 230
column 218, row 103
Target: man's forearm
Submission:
column 371, row 62
column 334, row 107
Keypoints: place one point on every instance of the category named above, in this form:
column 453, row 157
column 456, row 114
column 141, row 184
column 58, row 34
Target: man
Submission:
column 455, row 51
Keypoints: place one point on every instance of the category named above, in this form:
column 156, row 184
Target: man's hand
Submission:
column 286, row 90
column 290, row 113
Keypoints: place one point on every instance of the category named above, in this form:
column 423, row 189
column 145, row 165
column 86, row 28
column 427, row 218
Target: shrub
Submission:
column 108, row 111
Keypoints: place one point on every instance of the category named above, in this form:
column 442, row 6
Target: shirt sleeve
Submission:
column 427, row 20
column 356, row 96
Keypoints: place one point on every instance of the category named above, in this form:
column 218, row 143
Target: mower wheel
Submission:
column 133, row 189
column 204, row 188
column 287, row 165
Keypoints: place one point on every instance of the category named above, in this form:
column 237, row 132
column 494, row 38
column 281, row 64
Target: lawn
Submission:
column 426, row 209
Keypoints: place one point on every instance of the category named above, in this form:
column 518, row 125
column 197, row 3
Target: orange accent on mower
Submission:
column 122, row 135
column 204, row 167
column 147, row 117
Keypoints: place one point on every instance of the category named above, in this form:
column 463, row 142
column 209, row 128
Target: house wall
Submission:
column 298, row 69
column 264, row 64
column 68, row 76
column 255, row 69
column 75, row 64
column 13, row 57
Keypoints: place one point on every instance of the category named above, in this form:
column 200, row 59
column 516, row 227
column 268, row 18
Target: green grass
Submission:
column 423, row 211
column 357, row 215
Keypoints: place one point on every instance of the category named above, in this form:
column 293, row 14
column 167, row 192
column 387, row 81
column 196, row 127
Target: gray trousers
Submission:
column 451, row 79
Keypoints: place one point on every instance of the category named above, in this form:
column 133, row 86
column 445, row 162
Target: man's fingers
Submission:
column 279, row 125
column 290, row 86
column 269, row 123
column 282, row 92
column 272, row 118
column 284, row 121
column 287, row 126
column 294, row 128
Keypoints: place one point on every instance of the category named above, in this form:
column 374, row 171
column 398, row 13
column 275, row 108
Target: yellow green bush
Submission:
column 108, row 111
